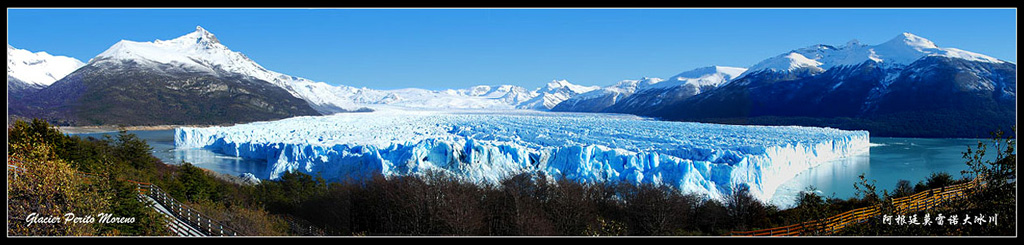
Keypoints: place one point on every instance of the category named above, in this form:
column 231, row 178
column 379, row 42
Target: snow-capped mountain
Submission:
column 201, row 51
column 705, row 77
column 553, row 93
column 192, row 79
column 196, row 51
column 39, row 69
column 907, row 86
column 28, row 72
column 200, row 54
column 600, row 99
column 677, row 88
column 506, row 94
column 648, row 94
column 476, row 97
column 902, row 50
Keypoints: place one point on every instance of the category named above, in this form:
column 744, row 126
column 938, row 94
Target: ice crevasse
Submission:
column 486, row 147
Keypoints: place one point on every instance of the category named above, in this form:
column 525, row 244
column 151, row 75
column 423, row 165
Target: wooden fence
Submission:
column 185, row 213
column 904, row 205
column 180, row 210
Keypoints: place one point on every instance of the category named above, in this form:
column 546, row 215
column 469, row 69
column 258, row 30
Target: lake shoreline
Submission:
column 109, row 128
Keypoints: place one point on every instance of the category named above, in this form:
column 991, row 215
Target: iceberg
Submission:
column 488, row 146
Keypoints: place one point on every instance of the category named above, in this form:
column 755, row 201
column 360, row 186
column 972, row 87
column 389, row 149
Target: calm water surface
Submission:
column 888, row 161
column 162, row 142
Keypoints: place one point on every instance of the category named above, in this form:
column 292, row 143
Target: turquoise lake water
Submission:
column 888, row 161
column 162, row 142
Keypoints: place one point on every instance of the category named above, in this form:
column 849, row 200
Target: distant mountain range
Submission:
column 907, row 86
column 194, row 79
column 636, row 96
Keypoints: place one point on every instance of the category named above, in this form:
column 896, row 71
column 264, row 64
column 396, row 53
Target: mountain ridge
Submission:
column 863, row 83
column 944, row 92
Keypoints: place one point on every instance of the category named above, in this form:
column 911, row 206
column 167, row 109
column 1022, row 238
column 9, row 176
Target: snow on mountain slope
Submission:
column 201, row 51
column 563, row 85
column 600, row 99
column 621, row 88
column 902, row 50
column 655, row 94
column 486, row 147
column 787, row 62
column 553, row 93
column 701, row 77
column 476, row 97
column 40, row 68
column 459, row 99
column 479, row 97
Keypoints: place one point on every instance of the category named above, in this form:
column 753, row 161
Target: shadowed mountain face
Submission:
column 125, row 93
column 650, row 94
column 16, row 89
column 192, row 79
column 932, row 97
column 906, row 87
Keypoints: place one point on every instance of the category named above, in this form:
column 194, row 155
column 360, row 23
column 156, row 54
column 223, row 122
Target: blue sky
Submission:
column 456, row 48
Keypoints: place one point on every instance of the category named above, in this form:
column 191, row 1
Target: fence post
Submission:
column 831, row 227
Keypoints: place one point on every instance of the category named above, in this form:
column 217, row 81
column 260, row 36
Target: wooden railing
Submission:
column 904, row 205
column 930, row 198
column 14, row 169
column 14, row 166
column 185, row 213
column 180, row 210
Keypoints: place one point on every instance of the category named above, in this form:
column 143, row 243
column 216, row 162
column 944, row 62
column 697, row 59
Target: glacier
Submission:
column 488, row 146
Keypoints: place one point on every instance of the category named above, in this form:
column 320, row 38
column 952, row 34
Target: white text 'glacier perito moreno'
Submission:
column 485, row 147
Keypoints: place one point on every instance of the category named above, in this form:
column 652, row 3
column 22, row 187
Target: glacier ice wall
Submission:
column 486, row 147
